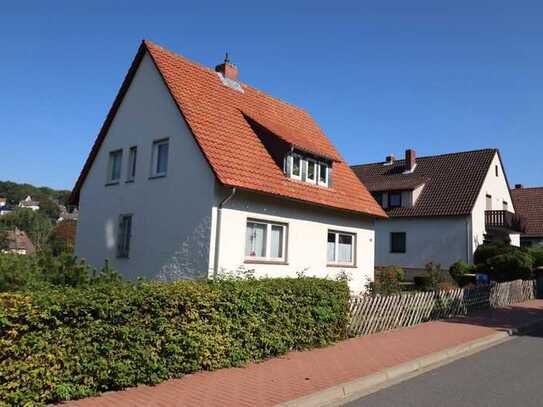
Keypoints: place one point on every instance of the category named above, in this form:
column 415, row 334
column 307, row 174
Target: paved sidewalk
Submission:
column 298, row 374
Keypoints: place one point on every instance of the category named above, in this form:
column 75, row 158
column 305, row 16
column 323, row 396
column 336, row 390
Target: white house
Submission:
column 29, row 203
column 195, row 173
column 440, row 208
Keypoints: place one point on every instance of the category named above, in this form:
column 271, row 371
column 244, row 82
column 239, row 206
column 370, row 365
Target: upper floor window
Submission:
column 394, row 199
column 265, row 241
column 132, row 157
column 159, row 166
column 114, row 166
column 307, row 169
column 340, row 248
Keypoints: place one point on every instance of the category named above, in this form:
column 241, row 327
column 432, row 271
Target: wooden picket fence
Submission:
column 371, row 314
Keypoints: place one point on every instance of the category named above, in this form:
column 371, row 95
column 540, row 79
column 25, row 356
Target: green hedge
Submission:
column 60, row 344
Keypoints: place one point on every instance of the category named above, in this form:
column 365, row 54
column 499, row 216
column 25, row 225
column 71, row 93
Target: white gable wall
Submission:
column 495, row 186
column 171, row 215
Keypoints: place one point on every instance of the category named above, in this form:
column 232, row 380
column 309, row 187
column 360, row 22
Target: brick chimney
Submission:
column 228, row 70
column 410, row 160
column 518, row 186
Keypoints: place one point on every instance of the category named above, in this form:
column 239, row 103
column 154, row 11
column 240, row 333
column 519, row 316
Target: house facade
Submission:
column 18, row 242
column 529, row 204
column 195, row 173
column 29, row 203
column 441, row 208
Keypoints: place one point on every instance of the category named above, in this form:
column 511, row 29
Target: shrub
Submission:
column 434, row 279
column 504, row 262
column 459, row 269
column 537, row 255
column 387, row 281
column 59, row 344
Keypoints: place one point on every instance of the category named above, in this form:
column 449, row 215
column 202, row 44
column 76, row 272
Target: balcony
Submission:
column 504, row 221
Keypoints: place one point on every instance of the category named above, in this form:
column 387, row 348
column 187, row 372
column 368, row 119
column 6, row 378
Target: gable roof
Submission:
column 528, row 203
column 19, row 240
column 452, row 182
column 218, row 116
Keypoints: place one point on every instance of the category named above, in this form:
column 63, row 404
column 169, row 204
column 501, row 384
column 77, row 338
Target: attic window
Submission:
column 307, row 169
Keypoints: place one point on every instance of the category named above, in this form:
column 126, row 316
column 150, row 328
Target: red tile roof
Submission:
column 216, row 115
column 528, row 202
column 452, row 182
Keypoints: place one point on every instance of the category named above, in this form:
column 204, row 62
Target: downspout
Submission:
column 218, row 232
column 468, row 240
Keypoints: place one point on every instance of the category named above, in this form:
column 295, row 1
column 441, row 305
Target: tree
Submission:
column 62, row 239
column 36, row 225
column 4, row 240
column 49, row 209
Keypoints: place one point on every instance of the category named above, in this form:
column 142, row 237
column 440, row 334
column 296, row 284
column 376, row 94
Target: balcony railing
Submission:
column 505, row 220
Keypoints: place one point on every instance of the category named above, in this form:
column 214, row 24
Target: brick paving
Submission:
column 298, row 374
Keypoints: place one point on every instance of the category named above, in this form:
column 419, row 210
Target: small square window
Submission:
column 397, row 242
column 160, row 158
column 265, row 241
column 394, row 199
column 340, row 248
column 124, row 235
column 115, row 165
column 132, row 158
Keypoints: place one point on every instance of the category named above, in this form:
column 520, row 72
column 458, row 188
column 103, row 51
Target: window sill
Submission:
column 264, row 261
column 346, row 266
column 157, row 176
column 111, row 183
column 129, row 181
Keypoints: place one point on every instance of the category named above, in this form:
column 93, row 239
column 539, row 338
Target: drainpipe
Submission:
column 468, row 240
column 218, row 232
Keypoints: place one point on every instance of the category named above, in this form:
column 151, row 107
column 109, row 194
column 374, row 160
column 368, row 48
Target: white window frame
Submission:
column 113, row 153
column 154, row 158
column 291, row 158
column 267, row 257
column 132, row 163
column 335, row 262
column 323, row 165
column 315, row 173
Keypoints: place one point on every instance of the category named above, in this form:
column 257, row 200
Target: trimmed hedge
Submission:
column 61, row 344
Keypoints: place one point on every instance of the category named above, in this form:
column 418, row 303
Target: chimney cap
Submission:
column 390, row 158
column 518, row 186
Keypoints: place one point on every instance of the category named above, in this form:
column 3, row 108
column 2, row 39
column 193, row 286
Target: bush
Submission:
column 387, row 281
column 435, row 279
column 504, row 262
column 459, row 269
column 537, row 255
column 59, row 344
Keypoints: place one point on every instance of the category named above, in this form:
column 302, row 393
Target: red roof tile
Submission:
column 452, row 182
column 528, row 202
column 216, row 115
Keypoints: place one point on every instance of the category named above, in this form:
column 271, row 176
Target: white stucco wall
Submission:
column 441, row 240
column 307, row 237
column 495, row 186
column 171, row 215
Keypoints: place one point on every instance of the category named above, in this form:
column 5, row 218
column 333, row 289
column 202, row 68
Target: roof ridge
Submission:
column 432, row 156
column 525, row 188
column 197, row 64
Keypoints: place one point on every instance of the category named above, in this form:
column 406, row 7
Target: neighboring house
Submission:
column 28, row 203
column 3, row 201
column 4, row 210
column 529, row 203
column 440, row 207
column 66, row 216
column 195, row 173
column 18, row 242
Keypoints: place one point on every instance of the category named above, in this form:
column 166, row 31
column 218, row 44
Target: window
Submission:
column 340, row 249
column 397, row 242
column 160, row 158
column 311, row 171
column 123, row 237
column 265, row 241
column 489, row 202
column 115, row 164
column 378, row 196
column 323, row 174
column 296, row 166
column 394, row 199
column 496, row 170
column 132, row 156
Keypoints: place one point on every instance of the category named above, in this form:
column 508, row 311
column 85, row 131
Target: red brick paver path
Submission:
column 302, row 373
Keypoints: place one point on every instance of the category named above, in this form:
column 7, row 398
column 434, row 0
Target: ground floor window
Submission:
column 265, row 240
column 340, row 249
column 398, row 242
column 124, row 235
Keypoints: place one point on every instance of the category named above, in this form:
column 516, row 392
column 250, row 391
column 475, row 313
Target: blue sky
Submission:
column 378, row 76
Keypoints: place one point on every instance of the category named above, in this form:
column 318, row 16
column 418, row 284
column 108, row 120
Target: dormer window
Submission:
column 394, row 200
column 307, row 169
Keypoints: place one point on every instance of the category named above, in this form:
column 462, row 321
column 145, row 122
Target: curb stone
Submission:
column 345, row 392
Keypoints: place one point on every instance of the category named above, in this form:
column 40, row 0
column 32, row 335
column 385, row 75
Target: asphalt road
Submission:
column 507, row 375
